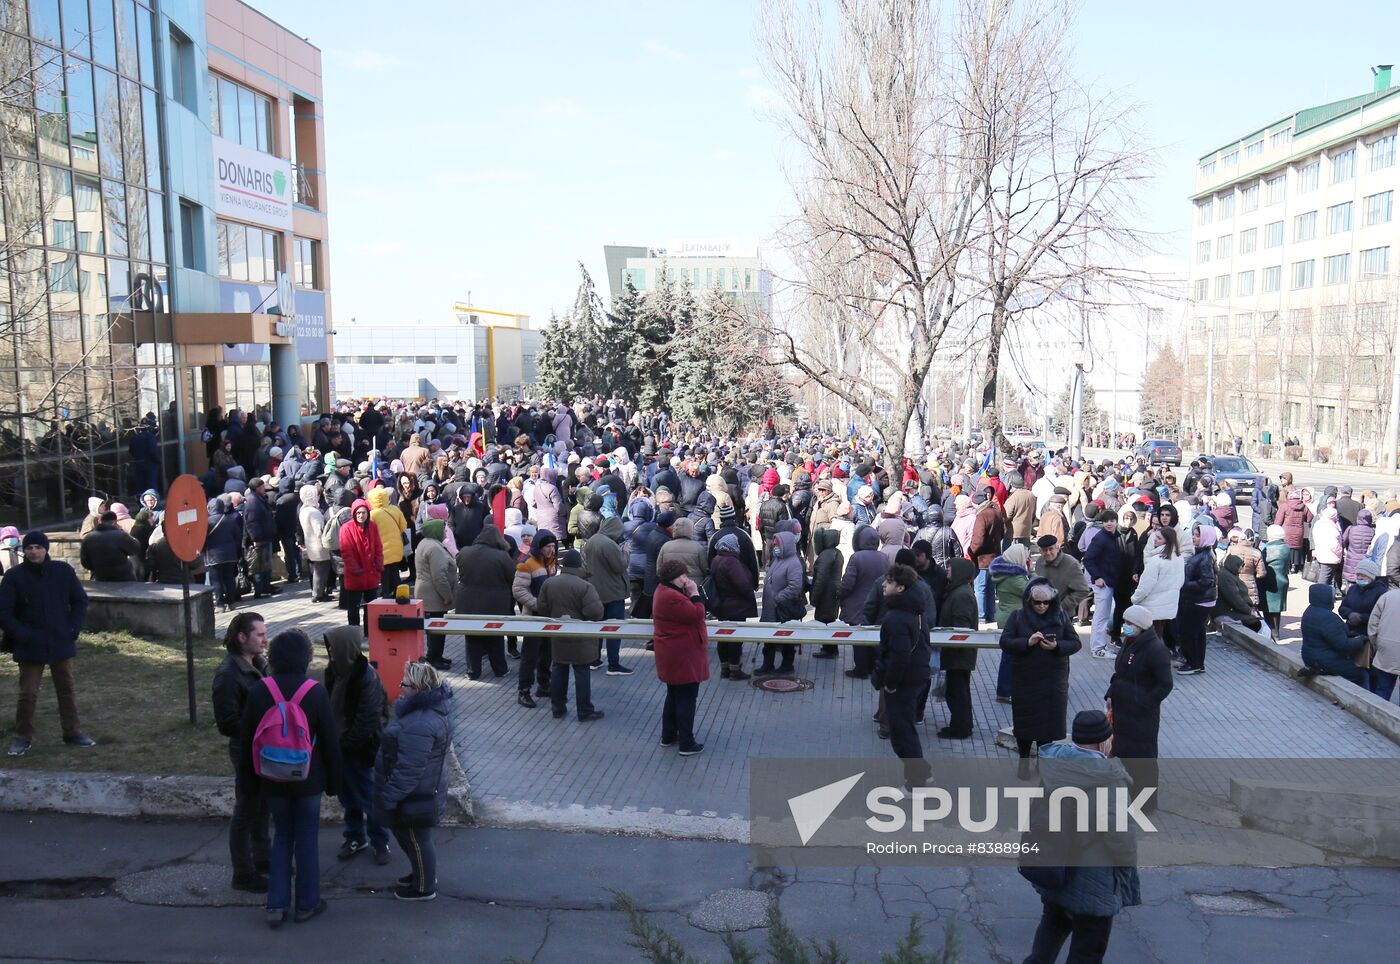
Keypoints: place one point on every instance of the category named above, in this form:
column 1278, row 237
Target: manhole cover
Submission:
column 782, row 684
column 1240, row 903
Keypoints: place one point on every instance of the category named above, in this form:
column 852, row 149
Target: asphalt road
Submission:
column 92, row 889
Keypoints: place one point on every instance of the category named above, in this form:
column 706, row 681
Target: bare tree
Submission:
column 887, row 188
column 1056, row 168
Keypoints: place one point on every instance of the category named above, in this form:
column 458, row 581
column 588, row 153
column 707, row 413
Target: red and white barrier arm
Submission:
column 720, row 632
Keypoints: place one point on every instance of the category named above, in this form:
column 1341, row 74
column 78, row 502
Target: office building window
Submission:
column 1227, row 205
column 1271, row 279
column 191, row 235
column 1378, row 208
column 1375, row 262
column 1305, row 226
column 1344, row 165
column 238, row 113
column 1336, row 269
column 1254, row 149
column 1339, row 218
column 1273, row 234
column 1280, row 138
column 1244, row 324
column 1332, row 318
column 1224, row 245
column 1222, row 287
column 1202, row 251
column 1249, row 198
column 1383, row 152
column 1273, row 188
column 247, row 253
column 1202, row 289
column 1208, row 167
column 1205, row 211
column 184, row 72
column 1249, row 240
column 1244, row 284
column 1302, row 274
column 1301, row 320
column 1231, row 159
column 305, row 262
column 1309, row 176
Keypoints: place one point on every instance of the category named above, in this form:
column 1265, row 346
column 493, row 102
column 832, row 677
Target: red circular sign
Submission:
column 186, row 518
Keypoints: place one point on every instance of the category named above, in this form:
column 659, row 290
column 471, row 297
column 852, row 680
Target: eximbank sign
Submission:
column 252, row 186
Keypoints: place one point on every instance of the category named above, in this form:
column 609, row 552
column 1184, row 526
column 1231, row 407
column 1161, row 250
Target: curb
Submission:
column 185, row 797
column 1381, row 716
column 575, row 818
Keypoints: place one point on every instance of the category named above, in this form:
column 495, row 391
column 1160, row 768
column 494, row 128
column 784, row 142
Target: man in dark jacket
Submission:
column 1106, row 567
column 361, row 710
column 901, row 669
column 468, row 515
column 245, row 640
column 1328, row 649
column 666, row 476
column 107, row 552
column 569, row 595
column 260, row 530
column 771, row 511
column 864, row 570
column 692, row 484
column 42, row 607
column 1348, row 508
column 959, row 608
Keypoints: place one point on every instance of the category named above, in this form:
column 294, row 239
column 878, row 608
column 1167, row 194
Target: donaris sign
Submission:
column 252, row 186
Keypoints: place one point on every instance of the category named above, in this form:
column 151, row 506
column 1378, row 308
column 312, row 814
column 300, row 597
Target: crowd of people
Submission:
column 592, row 511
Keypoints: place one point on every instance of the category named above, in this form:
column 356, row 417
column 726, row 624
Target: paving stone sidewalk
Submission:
column 525, row 766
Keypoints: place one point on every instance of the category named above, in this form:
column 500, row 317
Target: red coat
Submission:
column 681, row 639
column 362, row 551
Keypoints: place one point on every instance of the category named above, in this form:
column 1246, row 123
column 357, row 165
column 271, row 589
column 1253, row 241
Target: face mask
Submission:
column 1363, row 583
column 1129, row 629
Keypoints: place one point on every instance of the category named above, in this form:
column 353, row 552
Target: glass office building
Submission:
column 132, row 294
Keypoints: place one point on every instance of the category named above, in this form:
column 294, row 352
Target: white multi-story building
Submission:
column 1293, row 277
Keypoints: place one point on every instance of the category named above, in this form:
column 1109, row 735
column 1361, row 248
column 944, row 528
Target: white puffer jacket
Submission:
column 1159, row 586
column 312, row 521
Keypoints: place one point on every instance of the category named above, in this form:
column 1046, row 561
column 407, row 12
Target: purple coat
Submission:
column 549, row 503
column 1356, row 542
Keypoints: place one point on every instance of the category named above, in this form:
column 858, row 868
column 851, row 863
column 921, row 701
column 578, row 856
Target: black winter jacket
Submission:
column 1039, row 676
column 1142, row 679
column 42, row 609
column 107, row 552
column 325, row 773
column 366, row 711
column 1200, row 584
column 902, row 658
column 258, row 523
column 231, row 683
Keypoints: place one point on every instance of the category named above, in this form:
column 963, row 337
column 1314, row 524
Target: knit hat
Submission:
column 666, row 519
column 1046, row 541
column 726, row 513
column 1139, row 616
column 671, row 569
column 35, row 537
column 1091, row 727
column 572, row 559
column 1368, row 568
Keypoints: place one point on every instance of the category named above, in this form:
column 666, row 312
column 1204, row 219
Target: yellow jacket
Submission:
column 390, row 522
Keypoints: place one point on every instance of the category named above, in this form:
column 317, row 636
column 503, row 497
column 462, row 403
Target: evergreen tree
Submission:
column 1063, row 413
column 721, row 376
column 653, row 338
column 621, row 376
column 552, row 376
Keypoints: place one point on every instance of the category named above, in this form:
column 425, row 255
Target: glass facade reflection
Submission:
column 83, row 226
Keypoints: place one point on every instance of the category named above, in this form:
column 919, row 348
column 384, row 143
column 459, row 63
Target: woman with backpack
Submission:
column 293, row 765
column 410, row 776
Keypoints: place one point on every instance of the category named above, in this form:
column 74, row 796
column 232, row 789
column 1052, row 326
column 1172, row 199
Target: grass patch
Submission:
column 132, row 701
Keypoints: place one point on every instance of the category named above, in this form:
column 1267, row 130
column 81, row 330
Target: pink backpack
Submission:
column 282, row 743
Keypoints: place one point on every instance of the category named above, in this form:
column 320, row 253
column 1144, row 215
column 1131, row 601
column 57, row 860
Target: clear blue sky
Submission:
column 488, row 148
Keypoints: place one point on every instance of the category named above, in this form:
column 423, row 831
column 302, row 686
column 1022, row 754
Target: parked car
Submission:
column 1159, row 451
column 1242, row 474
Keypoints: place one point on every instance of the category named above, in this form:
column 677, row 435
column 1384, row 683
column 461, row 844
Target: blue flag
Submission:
column 986, row 463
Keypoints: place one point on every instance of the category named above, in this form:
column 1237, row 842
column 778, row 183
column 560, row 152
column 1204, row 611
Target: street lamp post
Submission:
column 1209, row 439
